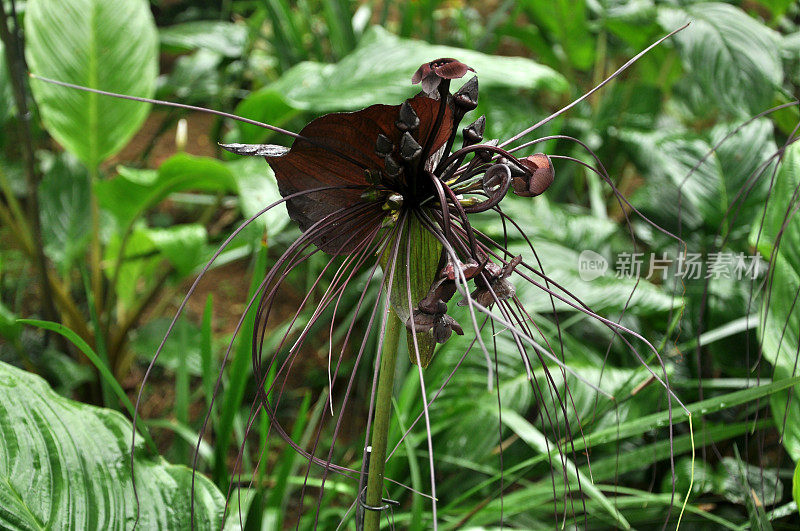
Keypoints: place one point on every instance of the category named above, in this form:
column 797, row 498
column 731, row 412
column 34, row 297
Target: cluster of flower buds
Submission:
column 491, row 285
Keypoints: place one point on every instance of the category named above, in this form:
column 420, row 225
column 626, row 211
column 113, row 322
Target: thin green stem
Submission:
column 380, row 427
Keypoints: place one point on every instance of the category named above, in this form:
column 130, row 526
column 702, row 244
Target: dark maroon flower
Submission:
column 429, row 75
column 350, row 177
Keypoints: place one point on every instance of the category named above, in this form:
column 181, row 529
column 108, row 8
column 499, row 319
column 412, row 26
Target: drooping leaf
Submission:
column 104, row 45
column 224, row 38
column 132, row 192
column 734, row 58
column 64, row 464
column 64, row 208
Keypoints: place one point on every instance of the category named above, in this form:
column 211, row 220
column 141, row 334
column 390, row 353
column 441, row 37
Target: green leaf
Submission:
column 537, row 441
column 9, row 329
column 64, row 464
column 780, row 321
column 796, row 484
column 266, row 105
column 194, row 78
column 224, row 38
column 418, row 264
column 566, row 21
column 184, row 343
column 380, row 70
column 64, row 199
column 133, row 192
column 734, row 58
column 104, row 45
column 6, row 101
column 97, row 361
column 182, row 245
column 258, row 189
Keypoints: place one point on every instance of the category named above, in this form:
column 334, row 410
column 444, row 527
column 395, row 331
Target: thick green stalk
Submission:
column 380, row 427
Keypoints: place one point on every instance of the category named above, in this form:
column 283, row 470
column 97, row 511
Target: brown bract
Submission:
column 429, row 75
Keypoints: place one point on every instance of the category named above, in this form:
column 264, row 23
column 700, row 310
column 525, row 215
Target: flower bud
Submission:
column 539, row 179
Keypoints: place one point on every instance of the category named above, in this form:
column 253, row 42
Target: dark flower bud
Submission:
column 393, row 169
column 440, row 325
column 383, row 146
column 473, row 133
column 409, row 121
column 410, row 149
column 444, row 327
column 540, row 178
column 466, row 98
column 429, row 75
column 469, row 268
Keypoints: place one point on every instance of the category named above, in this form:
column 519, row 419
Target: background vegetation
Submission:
column 110, row 208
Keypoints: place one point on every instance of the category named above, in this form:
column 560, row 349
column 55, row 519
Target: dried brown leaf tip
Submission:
column 429, row 75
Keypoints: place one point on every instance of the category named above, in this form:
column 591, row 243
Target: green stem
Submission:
column 380, row 427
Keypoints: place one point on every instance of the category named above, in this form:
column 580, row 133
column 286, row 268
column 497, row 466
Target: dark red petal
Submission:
column 421, row 72
column 452, row 69
column 339, row 149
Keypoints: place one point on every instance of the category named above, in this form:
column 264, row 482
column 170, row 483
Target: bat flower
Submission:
column 354, row 179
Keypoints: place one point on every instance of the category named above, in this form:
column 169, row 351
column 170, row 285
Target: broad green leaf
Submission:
column 138, row 267
column 64, row 194
column 66, row 465
column 565, row 20
column 707, row 189
column 133, row 192
column 266, row 105
column 224, row 38
column 104, row 45
column 184, row 342
column 734, row 58
column 416, row 261
column 195, row 78
column 737, row 484
column 380, row 70
column 182, row 245
column 780, row 315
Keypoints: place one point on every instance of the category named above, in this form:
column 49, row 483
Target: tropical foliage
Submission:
column 111, row 208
